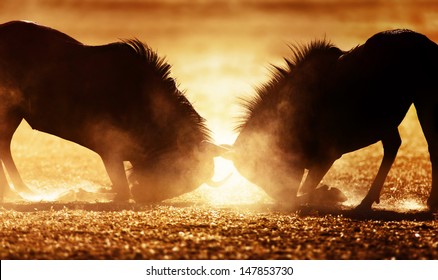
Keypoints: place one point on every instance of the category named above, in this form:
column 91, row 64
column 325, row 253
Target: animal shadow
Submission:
column 375, row 214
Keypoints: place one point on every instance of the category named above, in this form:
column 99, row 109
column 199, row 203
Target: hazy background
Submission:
column 220, row 50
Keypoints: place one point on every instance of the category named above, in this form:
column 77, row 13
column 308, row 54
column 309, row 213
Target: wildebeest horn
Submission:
column 227, row 146
column 229, row 151
column 207, row 146
column 216, row 184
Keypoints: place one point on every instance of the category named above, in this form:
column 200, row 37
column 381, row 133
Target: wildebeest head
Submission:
column 276, row 142
column 174, row 154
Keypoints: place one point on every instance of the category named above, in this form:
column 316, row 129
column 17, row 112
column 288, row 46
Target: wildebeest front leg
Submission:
column 3, row 183
column 8, row 124
column 117, row 175
column 16, row 179
column 314, row 177
column 391, row 143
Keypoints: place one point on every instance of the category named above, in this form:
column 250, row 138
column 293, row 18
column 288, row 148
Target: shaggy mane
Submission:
column 156, row 64
column 162, row 69
column 268, row 94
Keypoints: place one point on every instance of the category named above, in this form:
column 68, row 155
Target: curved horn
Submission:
column 216, row 184
column 226, row 146
column 209, row 147
column 229, row 153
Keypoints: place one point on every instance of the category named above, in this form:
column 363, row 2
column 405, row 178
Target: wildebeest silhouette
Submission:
column 117, row 100
column 327, row 102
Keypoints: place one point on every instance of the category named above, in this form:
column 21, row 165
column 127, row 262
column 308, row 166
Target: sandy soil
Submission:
column 78, row 231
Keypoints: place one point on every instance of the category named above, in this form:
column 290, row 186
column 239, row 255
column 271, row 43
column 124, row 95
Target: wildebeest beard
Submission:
column 272, row 159
column 175, row 153
column 167, row 174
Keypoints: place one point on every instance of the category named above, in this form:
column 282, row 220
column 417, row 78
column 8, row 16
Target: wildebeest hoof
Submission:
column 122, row 197
column 364, row 207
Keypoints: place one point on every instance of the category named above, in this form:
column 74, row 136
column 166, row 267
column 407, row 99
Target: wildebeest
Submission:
column 116, row 99
column 327, row 102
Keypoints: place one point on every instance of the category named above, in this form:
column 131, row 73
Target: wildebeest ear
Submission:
column 211, row 148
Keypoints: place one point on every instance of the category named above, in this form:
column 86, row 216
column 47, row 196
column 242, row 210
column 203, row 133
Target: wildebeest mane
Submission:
column 268, row 94
column 153, row 62
column 161, row 70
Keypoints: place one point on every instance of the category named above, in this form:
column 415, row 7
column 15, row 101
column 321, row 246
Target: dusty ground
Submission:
column 102, row 231
column 219, row 51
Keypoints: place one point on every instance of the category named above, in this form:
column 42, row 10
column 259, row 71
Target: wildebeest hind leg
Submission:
column 391, row 143
column 427, row 112
column 117, row 175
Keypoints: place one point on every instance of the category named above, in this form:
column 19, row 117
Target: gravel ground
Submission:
column 219, row 53
column 129, row 231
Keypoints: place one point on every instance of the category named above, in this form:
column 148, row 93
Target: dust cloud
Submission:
column 219, row 51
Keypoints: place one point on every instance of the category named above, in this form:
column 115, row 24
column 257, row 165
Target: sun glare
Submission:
column 235, row 189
